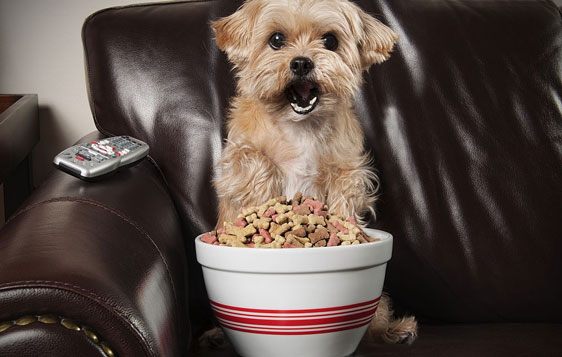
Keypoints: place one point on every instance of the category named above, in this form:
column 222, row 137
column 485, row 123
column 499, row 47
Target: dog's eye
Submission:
column 330, row 41
column 277, row 40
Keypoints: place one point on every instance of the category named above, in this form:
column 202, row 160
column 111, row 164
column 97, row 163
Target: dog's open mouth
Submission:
column 303, row 96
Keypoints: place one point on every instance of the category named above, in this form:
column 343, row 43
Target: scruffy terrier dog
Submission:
column 292, row 125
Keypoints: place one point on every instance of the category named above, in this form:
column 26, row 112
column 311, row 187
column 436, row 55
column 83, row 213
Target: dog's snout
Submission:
column 301, row 66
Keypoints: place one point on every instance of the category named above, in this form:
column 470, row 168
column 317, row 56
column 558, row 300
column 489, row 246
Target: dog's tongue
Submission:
column 303, row 89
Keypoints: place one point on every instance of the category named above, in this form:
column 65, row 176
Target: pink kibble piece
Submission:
column 334, row 240
column 351, row 220
column 209, row 238
column 270, row 212
column 240, row 222
column 266, row 236
column 316, row 206
column 341, row 228
column 289, row 245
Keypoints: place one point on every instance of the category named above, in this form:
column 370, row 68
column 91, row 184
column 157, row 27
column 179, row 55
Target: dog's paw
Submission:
column 214, row 339
column 401, row 331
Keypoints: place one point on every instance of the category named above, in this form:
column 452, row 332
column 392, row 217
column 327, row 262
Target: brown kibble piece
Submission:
column 302, row 210
column 320, row 233
column 332, row 229
column 300, row 239
column 299, row 232
column 320, row 243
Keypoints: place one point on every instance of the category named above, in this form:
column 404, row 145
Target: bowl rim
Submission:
column 302, row 260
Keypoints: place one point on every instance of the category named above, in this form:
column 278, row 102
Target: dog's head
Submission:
column 302, row 56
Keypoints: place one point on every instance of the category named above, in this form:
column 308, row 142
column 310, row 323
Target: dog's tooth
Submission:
column 300, row 109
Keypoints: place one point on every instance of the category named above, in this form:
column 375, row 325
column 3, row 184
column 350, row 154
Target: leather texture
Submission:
column 108, row 254
column 466, row 123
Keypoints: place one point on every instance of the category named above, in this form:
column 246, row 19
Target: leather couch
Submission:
column 465, row 124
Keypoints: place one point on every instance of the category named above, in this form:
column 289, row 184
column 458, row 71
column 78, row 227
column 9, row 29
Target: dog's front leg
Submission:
column 350, row 191
column 244, row 177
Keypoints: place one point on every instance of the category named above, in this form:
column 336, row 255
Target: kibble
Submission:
column 300, row 222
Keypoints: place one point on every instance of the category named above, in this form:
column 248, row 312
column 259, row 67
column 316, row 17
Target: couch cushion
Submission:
column 464, row 121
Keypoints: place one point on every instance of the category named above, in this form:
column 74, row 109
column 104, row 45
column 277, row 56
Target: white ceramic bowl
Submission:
column 295, row 302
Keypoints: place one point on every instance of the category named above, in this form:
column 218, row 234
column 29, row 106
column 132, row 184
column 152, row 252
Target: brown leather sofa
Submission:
column 464, row 121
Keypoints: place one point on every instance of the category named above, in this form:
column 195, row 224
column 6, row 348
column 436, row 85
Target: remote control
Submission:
column 100, row 158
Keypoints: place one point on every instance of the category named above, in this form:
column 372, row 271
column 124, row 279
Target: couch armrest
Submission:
column 106, row 255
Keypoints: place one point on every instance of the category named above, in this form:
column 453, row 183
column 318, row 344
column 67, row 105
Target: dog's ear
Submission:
column 376, row 40
column 233, row 33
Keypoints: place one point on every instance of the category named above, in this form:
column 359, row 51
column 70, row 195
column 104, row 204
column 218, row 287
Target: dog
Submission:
column 292, row 127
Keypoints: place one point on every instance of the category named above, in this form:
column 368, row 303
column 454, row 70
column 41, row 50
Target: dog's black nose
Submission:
column 301, row 66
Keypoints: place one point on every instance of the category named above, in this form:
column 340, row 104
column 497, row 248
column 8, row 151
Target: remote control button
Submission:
column 84, row 154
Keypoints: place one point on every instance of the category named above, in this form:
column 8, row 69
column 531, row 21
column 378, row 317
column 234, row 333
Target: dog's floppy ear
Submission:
column 376, row 40
column 233, row 33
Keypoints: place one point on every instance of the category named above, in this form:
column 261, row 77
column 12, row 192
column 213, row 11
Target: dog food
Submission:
column 301, row 222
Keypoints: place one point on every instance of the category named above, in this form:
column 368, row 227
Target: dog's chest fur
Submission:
column 300, row 169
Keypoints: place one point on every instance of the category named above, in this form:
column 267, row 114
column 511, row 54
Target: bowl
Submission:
column 295, row 302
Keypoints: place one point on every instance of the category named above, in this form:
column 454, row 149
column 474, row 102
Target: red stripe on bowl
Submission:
column 294, row 316
column 290, row 328
column 324, row 309
column 310, row 332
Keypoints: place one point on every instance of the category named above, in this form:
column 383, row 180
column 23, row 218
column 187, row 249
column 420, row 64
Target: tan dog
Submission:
column 292, row 125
